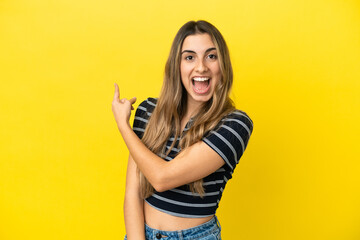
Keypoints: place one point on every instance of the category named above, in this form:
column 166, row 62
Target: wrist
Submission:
column 123, row 126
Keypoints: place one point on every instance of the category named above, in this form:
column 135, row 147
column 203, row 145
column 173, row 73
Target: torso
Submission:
column 167, row 215
column 166, row 222
column 163, row 221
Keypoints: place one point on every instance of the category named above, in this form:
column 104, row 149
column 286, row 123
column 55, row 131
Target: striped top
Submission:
column 228, row 139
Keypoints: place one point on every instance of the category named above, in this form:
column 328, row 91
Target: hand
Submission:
column 122, row 108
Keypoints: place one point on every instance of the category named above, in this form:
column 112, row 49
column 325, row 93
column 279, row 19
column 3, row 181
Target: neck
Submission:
column 192, row 109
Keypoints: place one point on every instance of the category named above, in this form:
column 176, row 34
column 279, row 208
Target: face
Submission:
column 199, row 67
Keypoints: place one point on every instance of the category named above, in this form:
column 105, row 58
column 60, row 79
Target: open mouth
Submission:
column 201, row 85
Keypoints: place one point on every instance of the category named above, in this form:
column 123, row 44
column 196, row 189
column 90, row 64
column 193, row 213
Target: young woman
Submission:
column 184, row 145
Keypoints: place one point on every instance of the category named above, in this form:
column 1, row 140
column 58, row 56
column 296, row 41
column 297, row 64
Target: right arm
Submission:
column 133, row 204
column 195, row 162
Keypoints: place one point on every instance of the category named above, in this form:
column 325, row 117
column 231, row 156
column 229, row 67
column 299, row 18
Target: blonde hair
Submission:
column 171, row 104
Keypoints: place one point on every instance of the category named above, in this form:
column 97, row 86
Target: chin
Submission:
column 202, row 99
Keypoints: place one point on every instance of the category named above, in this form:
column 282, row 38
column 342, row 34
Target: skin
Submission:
column 199, row 59
column 187, row 166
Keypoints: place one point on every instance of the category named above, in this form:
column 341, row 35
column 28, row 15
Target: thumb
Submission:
column 133, row 100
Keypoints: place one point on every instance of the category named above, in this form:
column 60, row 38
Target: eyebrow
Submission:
column 190, row 51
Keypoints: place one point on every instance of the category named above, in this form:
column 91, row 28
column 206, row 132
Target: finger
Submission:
column 117, row 93
column 133, row 100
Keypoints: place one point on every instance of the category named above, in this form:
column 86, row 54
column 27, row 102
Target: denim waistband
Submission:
column 202, row 230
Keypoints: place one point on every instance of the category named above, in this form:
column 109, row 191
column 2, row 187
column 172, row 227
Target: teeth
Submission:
column 201, row 79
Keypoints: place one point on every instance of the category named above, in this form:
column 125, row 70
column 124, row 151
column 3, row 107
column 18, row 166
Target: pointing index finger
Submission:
column 117, row 93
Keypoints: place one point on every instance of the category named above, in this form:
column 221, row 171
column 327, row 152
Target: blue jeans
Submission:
column 210, row 230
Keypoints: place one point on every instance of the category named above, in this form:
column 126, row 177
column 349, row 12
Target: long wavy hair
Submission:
column 171, row 104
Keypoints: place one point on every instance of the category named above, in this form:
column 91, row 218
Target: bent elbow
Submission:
column 159, row 188
column 161, row 183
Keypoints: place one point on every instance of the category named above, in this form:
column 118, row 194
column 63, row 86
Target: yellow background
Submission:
column 63, row 162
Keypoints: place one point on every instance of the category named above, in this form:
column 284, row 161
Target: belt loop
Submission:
column 180, row 235
column 217, row 222
column 153, row 235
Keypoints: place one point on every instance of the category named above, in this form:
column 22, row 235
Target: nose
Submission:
column 201, row 66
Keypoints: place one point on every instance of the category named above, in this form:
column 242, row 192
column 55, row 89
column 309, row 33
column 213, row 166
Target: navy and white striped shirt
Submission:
column 228, row 139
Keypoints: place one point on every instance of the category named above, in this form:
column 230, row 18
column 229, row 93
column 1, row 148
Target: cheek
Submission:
column 184, row 70
column 216, row 70
column 183, row 75
column 217, row 73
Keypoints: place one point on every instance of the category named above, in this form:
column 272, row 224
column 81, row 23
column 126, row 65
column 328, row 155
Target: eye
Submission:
column 189, row 58
column 212, row 56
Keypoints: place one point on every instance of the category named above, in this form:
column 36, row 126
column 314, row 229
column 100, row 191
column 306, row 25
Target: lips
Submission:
column 201, row 85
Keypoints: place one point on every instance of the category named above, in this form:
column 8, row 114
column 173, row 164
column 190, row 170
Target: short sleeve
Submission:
column 230, row 138
column 142, row 115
